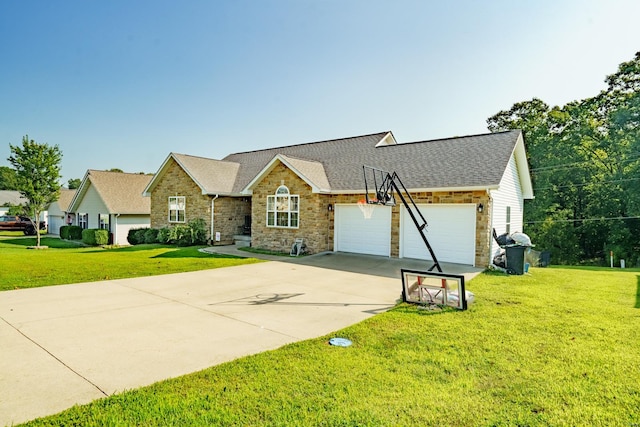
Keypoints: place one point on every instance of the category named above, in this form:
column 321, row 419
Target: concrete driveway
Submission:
column 71, row 344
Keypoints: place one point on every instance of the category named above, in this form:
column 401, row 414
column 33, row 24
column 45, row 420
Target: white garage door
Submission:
column 451, row 232
column 54, row 224
column 355, row 234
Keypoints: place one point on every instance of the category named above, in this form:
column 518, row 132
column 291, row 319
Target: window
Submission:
column 176, row 209
column 83, row 220
column 283, row 209
column 508, row 220
column 103, row 221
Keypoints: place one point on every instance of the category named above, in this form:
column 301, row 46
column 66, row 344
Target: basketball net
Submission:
column 366, row 208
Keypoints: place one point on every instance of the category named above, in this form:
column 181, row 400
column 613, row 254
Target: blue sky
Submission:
column 121, row 84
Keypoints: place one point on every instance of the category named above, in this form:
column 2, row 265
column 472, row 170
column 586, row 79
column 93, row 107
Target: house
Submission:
column 112, row 201
column 464, row 186
column 59, row 214
column 10, row 198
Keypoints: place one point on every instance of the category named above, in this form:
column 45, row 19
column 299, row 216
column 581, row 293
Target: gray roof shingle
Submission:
column 461, row 162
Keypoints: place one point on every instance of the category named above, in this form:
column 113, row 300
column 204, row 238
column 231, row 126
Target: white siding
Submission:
column 93, row 205
column 124, row 224
column 508, row 194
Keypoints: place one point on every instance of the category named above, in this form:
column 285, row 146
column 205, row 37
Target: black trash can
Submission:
column 515, row 259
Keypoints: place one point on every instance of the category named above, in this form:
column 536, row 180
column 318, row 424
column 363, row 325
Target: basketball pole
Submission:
column 384, row 193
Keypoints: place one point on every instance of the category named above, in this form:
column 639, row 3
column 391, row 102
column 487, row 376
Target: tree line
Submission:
column 584, row 159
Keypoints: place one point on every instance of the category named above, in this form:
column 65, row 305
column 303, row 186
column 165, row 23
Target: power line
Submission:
column 583, row 220
column 587, row 183
column 635, row 156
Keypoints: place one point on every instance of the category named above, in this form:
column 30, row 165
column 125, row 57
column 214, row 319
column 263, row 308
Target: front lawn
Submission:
column 559, row 347
column 68, row 262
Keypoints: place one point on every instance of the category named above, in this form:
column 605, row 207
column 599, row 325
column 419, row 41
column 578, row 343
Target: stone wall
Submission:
column 229, row 211
column 228, row 219
column 314, row 217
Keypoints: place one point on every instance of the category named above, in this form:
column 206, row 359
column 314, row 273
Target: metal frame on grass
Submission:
column 434, row 288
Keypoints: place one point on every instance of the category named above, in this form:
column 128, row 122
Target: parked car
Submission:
column 20, row 223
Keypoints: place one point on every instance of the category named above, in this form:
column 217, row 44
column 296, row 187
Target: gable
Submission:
column 312, row 173
column 212, row 177
column 91, row 202
column 119, row 192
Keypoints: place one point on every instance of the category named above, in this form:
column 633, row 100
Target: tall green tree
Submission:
column 74, row 183
column 8, row 179
column 37, row 169
column 585, row 164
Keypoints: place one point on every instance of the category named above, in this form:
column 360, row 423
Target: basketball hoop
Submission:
column 366, row 208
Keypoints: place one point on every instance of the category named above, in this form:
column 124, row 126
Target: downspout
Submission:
column 212, row 217
column 490, row 213
column 115, row 229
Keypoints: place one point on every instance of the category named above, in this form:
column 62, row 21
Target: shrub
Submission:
column 192, row 233
column 71, row 232
column 198, row 230
column 163, row 235
column 95, row 236
column 151, row 235
column 135, row 236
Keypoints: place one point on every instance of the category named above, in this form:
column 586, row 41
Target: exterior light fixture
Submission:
column 480, row 208
column 330, row 207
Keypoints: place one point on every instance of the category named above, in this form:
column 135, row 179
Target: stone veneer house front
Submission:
column 464, row 186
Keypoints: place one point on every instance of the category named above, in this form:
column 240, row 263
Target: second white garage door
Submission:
column 451, row 233
column 355, row 234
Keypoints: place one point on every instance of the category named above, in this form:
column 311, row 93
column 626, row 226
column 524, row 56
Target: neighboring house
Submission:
column 464, row 186
column 112, row 201
column 10, row 198
column 59, row 213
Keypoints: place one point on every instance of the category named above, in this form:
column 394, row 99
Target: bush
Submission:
column 71, row 232
column 151, row 235
column 198, row 230
column 163, row 235
column 135, row 236
column 95, row 237
column 192, row 233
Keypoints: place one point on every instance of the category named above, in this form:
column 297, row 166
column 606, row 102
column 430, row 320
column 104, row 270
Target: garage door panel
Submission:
column 364, row 236
column 450, row 232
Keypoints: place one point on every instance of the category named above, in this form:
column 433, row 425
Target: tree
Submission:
column 74, row 183
column 115, row 170
column 8, row 179
column 37, row 169
column 585, row 165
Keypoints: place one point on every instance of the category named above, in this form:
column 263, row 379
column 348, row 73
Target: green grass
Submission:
column 70, row 262
column 559, row 347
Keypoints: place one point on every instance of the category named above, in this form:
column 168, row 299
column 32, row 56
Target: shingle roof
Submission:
column 337, row 156
column 120, row 192
column 212, row 176
column 461, row 162
column 11, row 197
column 66, row 196
column 476, row 161
column 311, row 171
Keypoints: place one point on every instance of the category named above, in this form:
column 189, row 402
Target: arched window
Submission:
column 283, row 209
